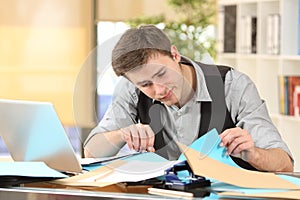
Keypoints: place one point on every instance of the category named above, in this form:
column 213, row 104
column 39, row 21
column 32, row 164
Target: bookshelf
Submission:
column 274, row 55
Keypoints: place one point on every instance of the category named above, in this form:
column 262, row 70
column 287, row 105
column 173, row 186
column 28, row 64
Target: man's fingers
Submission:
column 151, row 149
column 237, row 145
column 126, row 135
column 135, row 138
column 143, row 138
column 151, row 138
column 238, row 142
column 139, row 137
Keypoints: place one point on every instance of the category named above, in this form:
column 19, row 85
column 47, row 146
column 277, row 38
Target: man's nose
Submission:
column 159, row 89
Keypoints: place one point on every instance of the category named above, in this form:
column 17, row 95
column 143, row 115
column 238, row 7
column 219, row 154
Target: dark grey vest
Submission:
column 213, row 114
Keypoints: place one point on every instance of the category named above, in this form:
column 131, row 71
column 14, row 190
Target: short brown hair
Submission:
column 136, row 46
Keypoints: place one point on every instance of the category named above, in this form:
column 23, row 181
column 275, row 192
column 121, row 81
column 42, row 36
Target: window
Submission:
column 107, row 34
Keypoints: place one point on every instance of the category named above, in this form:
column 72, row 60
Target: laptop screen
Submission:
column 32, row 131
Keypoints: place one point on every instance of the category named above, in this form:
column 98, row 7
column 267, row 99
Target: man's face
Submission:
column 160, row 79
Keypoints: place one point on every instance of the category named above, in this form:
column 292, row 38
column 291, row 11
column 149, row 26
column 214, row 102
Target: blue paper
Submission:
column 209, row 145
column 291, row 179
column 147, row 156
column 28, row 169
column 92, row 167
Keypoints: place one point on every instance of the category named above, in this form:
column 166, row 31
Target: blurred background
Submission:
column 58, row 50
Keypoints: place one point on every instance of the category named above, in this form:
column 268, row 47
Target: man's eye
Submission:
column 146, row 84
column 161, row 74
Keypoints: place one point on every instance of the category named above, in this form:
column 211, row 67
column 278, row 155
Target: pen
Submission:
column 170, row 193
column 102, row 175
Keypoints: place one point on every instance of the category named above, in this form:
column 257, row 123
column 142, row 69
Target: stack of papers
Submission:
column 206, row 158
column 130, row 169
column 15, row 173
column 89, row 164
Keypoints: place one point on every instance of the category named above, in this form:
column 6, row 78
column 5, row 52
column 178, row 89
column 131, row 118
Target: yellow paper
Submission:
column 93, row 176
column 203, row 165
column 141, row 167
column 292, row 194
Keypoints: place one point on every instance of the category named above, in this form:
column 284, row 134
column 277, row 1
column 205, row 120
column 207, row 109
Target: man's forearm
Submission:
column 104, row 144
column 273, row 160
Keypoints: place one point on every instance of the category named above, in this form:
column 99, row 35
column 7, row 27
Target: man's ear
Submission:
column 175, row 54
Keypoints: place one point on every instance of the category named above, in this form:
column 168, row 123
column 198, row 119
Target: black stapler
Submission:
column 181, row 177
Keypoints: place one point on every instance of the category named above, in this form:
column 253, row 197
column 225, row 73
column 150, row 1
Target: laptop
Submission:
column 32, row 131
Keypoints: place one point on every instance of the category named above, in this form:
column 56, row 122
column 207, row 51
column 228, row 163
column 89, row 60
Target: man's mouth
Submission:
column 167, row 96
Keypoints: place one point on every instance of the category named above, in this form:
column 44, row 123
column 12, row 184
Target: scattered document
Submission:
column 206, row 158
column 28, row 169
column 205, row 165
column 130, row 169
column 16, row 173
column 96, row 161
column 209, row 145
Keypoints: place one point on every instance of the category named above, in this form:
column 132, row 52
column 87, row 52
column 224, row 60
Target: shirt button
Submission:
column 181, row 135
column 179, row 113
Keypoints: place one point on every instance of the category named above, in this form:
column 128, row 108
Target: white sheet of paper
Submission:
column 133, row 171
column 130, row 169
column 88, row 161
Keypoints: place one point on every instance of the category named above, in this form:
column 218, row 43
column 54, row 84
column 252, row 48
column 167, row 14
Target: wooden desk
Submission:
column 65, row 194
column 49, row 191
column 119, row 188
column 44, row 190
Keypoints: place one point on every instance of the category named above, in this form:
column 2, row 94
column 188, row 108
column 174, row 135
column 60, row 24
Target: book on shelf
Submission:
column 248, row 34
column 220, row 30
column 253, row 34
column 273, row 34
column 289, row 95
column 281, row 85
column 230, row 29
column 298, row 24
column 296, row 100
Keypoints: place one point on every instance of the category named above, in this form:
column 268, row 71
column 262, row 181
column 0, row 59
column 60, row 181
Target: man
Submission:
column 166, row 98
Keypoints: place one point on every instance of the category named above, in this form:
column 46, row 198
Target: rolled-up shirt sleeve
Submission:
column 250, row 112
column 122, row 110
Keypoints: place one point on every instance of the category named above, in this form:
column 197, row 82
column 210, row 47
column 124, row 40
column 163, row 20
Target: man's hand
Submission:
column 238, row 142
column 139, row 137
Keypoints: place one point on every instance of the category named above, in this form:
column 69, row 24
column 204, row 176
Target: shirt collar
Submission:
column 202, row 93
